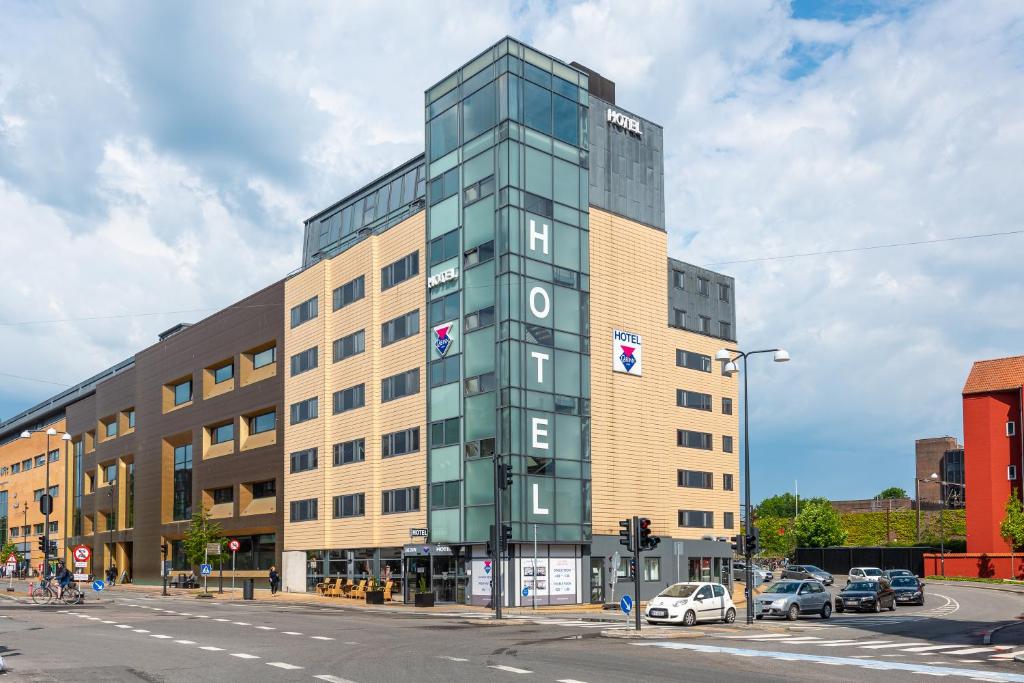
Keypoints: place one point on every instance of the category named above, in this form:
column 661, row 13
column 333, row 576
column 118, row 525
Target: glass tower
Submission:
column 508, row 338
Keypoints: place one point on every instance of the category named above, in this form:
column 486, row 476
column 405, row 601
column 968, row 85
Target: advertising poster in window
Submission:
column 534, row 577
column 482, row 572
column 563, row 580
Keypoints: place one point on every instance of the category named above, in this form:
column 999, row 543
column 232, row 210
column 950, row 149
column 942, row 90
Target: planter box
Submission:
column 424, row 599
column 374, row 597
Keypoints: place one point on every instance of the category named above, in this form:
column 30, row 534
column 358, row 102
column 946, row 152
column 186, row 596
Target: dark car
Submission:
column 866, row 595
column 909, row 590
column 893, row 573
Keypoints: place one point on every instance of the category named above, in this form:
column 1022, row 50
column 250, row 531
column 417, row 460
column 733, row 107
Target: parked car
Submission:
column 807, row 571
column 690, row 602
column 908, row 589
column 864, row 574
column 893, row 573
column 790, row 599
column 866, row 595
column 739, row 573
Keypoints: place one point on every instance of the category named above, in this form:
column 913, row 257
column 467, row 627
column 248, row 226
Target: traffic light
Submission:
column 53, row 547
column 737, row 545
column 506, row 535
column 653, row 542
column 626, row 533
column 632, row 569
column 644, row 533
column 163, row 549
column 42, row 544
column 753, row 541
column 504, row 476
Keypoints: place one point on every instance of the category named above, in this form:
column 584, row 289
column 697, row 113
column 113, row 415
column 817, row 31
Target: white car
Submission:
column 864, row 574
column 688, row 603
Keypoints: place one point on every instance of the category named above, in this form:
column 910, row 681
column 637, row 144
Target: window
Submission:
column 481, row 318
column 264, row 357
column 223, row 373
column 109, row 429
column 703, row 287
column 400, row 500
column 479, row 254
column 445, row 308
column 351, row 291
column 679, row 318
column 400, row 328
column 53, row 527
column 37, row 528
column 399, row 271
column 224, row 495
column 264, row 489
column 444, row 432
column 727, row 444
column 1011, row 428
column 15, row 468
column 349, row 345
column 688, row 439
column 54, row 455
column 723, row 292
column 182, row 392
column 303, row 510
column 696, row 519
column 443, row 371
column 131, row 418
column 693, row 361
column 183, row 482
column 704, row 325
column 349, row 452
column 444, row 186
column 727, row 520
column 400, row 385
column 652, row 569
column 480, row 384
column 727, row 482
column 726, row 406
column 724, row 329
column 26, row 465
column 264, row 422
column 1011, row 472
column 37, row 494
column 444, row 247
column 54, row 491
column 693, row 399
column 222, row 433
column 349, row 399
column 537, row 107
column 400, row 443
column 484, row 448
column 304, row 312
column 40, row 460
column 479, row 111
column 351, row 505
column 692, row 479
column 444, row 495
column 303, row 460
column 306, row 360
column 678, row 279
column 478, row 190
column 15, row 531
column 304, row 410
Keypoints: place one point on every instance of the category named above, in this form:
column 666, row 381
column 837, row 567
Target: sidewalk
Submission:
column 1004, row 587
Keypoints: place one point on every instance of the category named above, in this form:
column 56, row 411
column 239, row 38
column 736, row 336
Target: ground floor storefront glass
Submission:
column 356, row 564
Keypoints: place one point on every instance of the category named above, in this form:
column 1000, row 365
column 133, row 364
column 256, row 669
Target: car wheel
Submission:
column 730, row 616
column 878, row 606
column 793, row 613
column 892, row 605
column 826, row 611
column 690, row 618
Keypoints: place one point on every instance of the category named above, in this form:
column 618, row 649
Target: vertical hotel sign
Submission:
column 627, row 352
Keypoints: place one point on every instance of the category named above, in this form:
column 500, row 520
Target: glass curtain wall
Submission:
column 508, row 337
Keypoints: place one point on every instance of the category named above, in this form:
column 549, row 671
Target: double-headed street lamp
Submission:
column 730, row 356
column 51, row 432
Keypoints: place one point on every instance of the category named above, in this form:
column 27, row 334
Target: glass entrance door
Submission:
column 597, row 580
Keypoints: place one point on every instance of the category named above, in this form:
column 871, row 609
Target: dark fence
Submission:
column 838, row 560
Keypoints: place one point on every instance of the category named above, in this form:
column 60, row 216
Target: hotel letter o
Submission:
column 543, row 311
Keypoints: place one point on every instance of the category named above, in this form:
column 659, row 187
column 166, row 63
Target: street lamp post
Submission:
column 917, row 500
column 51, row 432
column 730, row 356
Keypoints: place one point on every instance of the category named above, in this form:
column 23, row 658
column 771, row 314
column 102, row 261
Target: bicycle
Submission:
column 72, row 595
column 44, row 593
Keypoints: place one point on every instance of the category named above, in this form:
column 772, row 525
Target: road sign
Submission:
column 626, row 604
column 12, row 559
column 45, row 504
column 205, row 569
column 81, row 553
column 418, row 533
column 213, row 548
column 81, row 577
column 97, row 585
column 526, row 591
column 234, row 545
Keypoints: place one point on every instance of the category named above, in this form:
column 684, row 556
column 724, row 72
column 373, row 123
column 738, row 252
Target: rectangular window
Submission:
column 692, row 479
column 131, row 418
column 306, row 360
column 481, row 318
column 303, row 510
column 478, row 190
column 37, row 494
column 264, row 489
column 688, row 439
column 349, row 399
column 703, row 287
column 264, row 422
column 304, row 312
column 350, row 292
column 400, row 500
column 54, row 491
column 445, row 308
column 696, row 519
column 182, row 482
column 726, row 406
column 109, row 429
column 693, row 361
column 400, row 443
column 400, row 385
column 444, row 495
column 723, row 292
column 444, row 247
column 349, row 452
column 443, row 371
column 693, row 399
column 53, row 527
column 479, row 254
column 304, row 410
column 481, row 384
column 54, row 455
column 727, row 520
column 444, row 432
column 400, row 328
column 40, row 460
column 679, row 318
column 183, row 392
column 444, row 186
column 399, row 271
column 38, row 528
column 264, row 357
column 303, row 460
column 704, row 325
column 727, row 482
column 652, row 569
column 224, row 495
column 349, row 345
column 26, row 465
column 727, row 444
column 223, row 373
column 724, row 329
column 351, row 505
column 222, row 433
column 678, row 279
column 15, row 468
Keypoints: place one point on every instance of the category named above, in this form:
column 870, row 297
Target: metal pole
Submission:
column 917, row 502
column 748, row 531
column 535, row 566
column 163, row 571
column 635, row 536
column 46, row 524
column 233, row 553
column 220, row 568
column 496, row 597
column 942, row 539
column 206, row 578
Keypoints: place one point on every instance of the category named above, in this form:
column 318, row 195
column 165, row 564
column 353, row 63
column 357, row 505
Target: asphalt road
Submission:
column 132, row 638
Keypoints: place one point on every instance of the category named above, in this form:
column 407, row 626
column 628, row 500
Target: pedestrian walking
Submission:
column 275, row 581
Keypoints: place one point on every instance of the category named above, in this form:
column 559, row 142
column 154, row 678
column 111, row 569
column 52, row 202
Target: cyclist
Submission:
column 63, row 577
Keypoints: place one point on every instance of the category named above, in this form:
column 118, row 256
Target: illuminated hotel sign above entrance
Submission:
column 626, row 123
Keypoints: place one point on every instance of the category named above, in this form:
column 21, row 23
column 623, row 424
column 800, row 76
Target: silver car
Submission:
column 790, row 599
column 808, row 571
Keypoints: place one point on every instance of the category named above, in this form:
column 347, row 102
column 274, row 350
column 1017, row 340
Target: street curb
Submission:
column 986, row 638
column 647, row 635
column 984, row 586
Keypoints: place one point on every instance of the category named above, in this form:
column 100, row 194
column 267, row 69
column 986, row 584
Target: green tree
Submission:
column 8, row 548
column 1012, row 527
column 892, row 492
column 783, row 505
column 818, row 526
column 201, row 530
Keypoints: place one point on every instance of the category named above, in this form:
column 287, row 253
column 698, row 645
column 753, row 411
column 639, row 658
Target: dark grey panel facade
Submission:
column 627, row 169
column 701, row 294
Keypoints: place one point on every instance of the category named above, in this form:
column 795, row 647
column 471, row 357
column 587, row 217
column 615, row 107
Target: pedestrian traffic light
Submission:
column 42, row 544
column 626, row 533
column 632, row 568
column 644, row 532
column 737, row 545
column 506, row 535
column 505, row 476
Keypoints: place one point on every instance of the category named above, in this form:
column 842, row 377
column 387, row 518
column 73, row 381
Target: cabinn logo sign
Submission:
column 626, row 352
column 442, row 338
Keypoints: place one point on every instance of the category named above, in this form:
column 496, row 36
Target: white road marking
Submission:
column 161, row 637
column 858, row 642
column 928, row 648
column 186, row 642
column 1008, row 655
column 240, row 623
column 321, row 638
column 283, row 665
column 202, row 616
column 267, row 628
column 139, row 630
column 888, row 647
column 453, row 659
column 331, row 679
column 291, row 633
column 510, row 669
column 568, row 680
column 109, row 622
column 219, row 619
column 243, row 655
column 123, row 626
column 211, row 648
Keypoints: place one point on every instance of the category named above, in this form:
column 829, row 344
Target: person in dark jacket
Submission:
column 275, row 581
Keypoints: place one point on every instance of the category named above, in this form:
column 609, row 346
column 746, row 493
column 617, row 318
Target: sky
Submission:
column 157, row 161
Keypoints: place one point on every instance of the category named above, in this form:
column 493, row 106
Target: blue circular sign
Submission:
column 626, row 604
column 526, row 591
column 98, row 585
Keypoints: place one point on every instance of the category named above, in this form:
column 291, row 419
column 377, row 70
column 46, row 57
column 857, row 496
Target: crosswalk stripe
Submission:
column 1008, row 655
column 243, row 655
column 859, row 642
column 331, row 679
column 929, row 648
column 971, row 651
column 283, row 665
column 510, row 669
column 887, row 647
